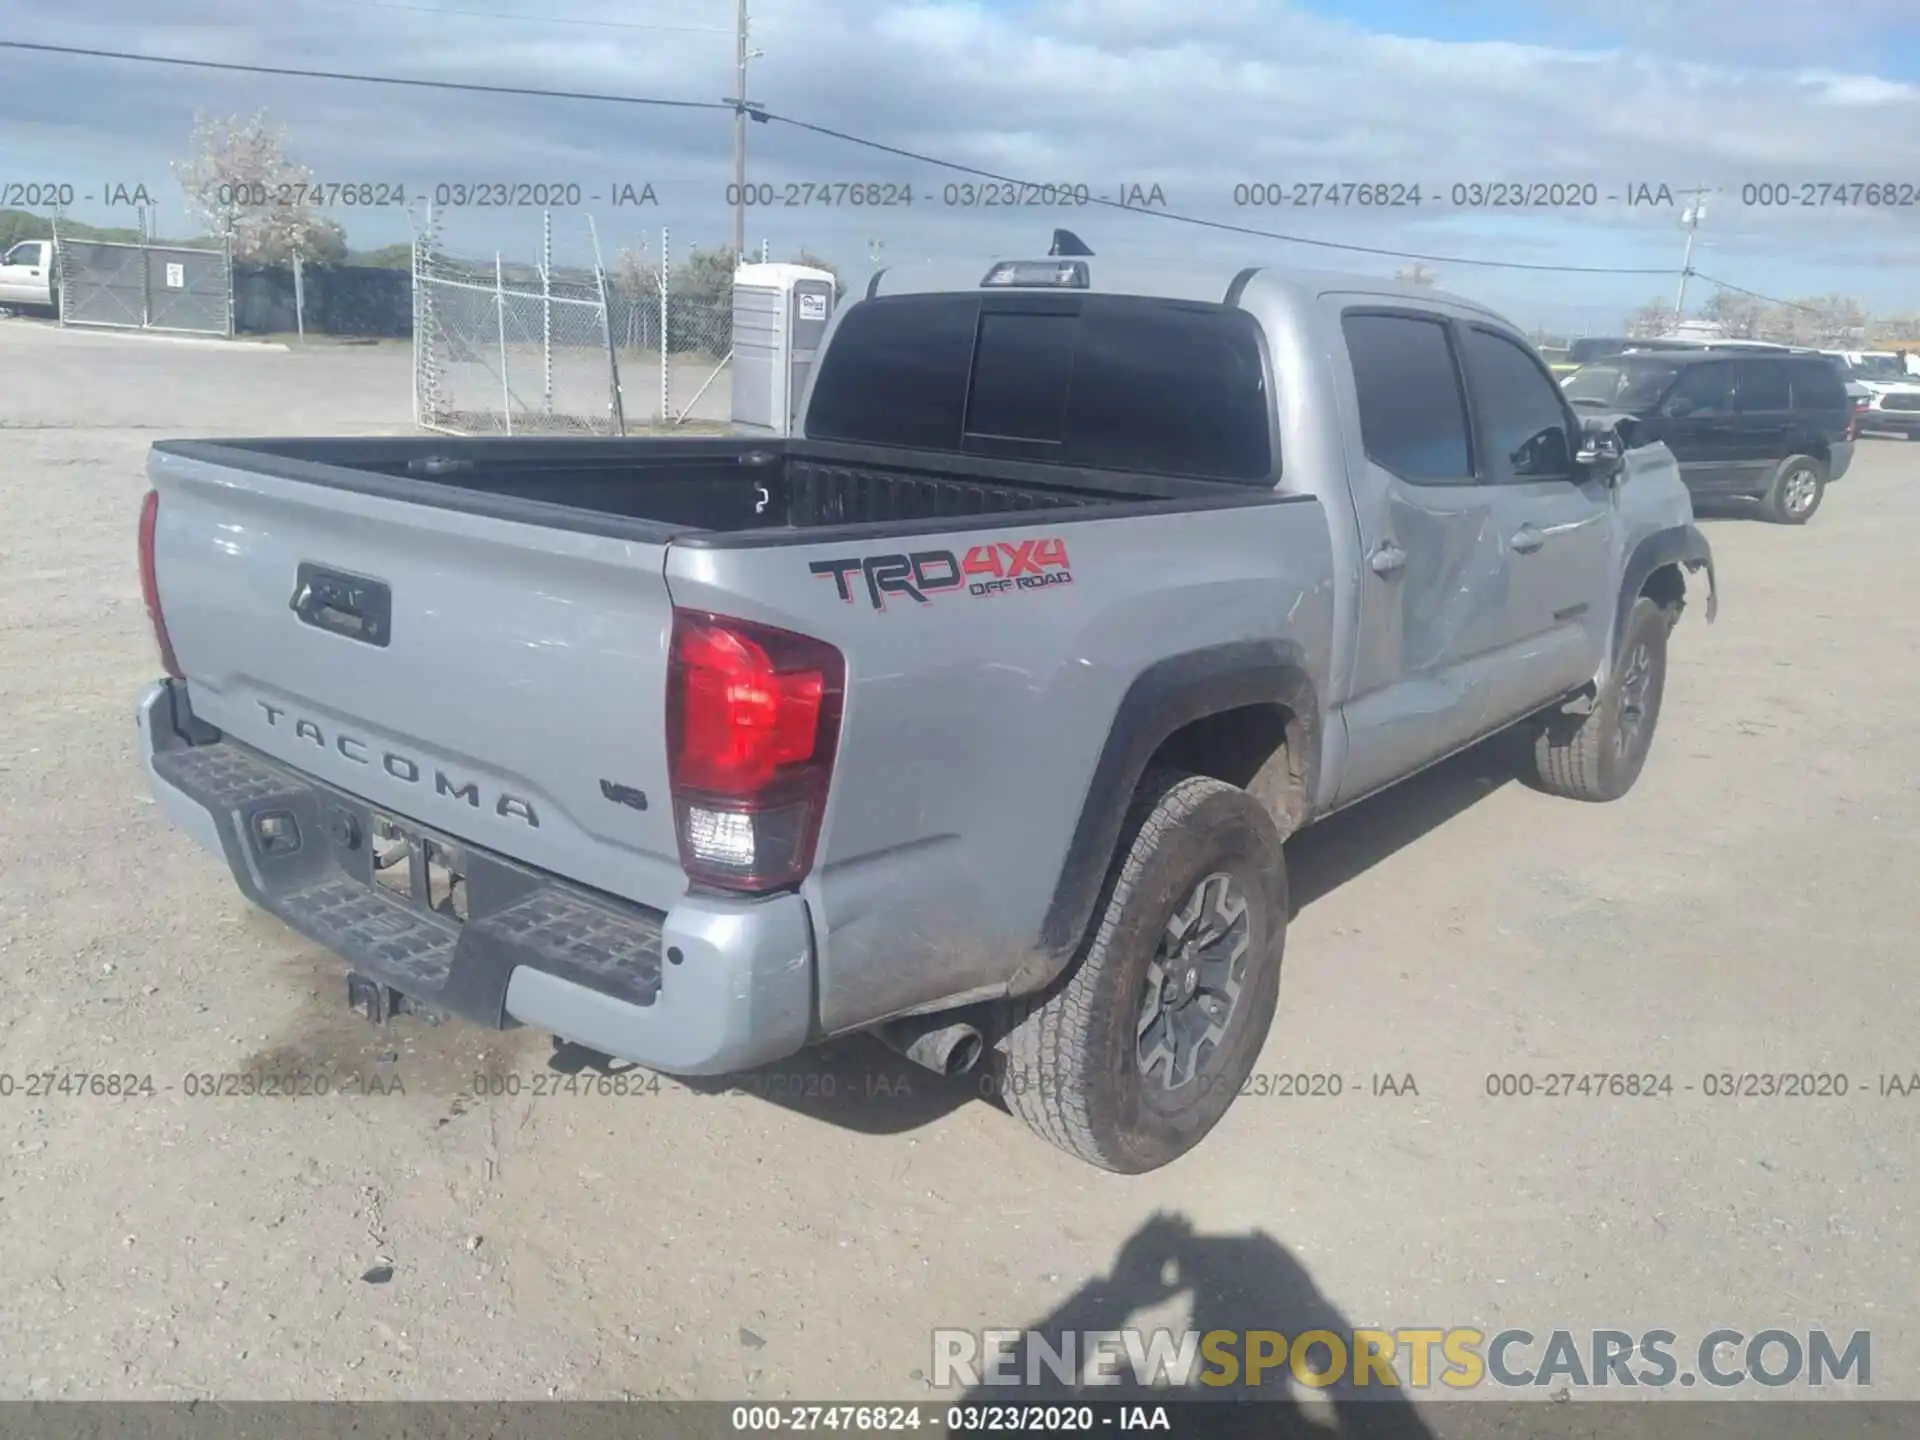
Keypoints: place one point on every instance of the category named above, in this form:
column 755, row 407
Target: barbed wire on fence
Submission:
column 514, row 349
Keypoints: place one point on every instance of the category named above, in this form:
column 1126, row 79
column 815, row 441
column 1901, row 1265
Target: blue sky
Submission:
column 1198, row 100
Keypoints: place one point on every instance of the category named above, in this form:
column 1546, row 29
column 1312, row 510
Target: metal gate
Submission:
column 182, row 289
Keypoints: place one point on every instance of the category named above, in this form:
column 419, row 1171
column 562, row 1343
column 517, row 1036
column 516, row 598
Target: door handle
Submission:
column 1386, row 558
column 1526, row 540
column 348, row 605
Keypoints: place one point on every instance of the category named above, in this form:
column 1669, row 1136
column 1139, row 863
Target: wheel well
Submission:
column 1667, row 588
column 1263, row 749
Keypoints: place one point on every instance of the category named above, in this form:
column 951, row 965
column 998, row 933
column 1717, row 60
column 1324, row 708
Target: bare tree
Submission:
column 636, row 272
column 241, row 183
column 1416, row 274
column 1651, row 319
column 1891, row 328
column 1834, row 322
column 635, row 275
column 1738, row 316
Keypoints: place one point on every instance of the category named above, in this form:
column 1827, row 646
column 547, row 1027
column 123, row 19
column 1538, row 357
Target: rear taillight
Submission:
column 150, row 583
column 753, row 720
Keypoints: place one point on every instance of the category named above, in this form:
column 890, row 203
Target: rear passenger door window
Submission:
column 1706, row 389
column 1763, row 386
column 1526, row 427
column 1413, row 409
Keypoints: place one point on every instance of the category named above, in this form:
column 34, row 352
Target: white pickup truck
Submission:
column 1892, row 394
column 26, row 276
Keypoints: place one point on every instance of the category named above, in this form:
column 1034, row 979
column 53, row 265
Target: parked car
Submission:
column 1775, row 426
column 975, row 716
column 27, row 276
column 1892, row 396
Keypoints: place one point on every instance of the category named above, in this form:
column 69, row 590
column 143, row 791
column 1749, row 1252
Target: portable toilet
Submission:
column 780, row 315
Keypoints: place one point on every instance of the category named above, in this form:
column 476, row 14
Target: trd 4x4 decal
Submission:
column 998, row 568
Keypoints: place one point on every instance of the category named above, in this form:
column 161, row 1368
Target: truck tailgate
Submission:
column 503, row 682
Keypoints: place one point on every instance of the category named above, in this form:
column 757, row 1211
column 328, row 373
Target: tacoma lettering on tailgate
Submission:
column 998, row 568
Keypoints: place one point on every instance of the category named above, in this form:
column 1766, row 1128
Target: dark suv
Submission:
column 1777, row 427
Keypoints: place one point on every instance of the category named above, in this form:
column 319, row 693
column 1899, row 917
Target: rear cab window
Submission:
column 1108, row 382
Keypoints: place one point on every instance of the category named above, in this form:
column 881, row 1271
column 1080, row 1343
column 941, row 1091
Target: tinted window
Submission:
column 896, row 373
column 1625, row 383
column 1763, row 386
column 1876, row 367
column 1816, row 385
column 1708, row 388
column 1520, row 406
column 1108, row 382
column 1022, row 366
column 1583, row 351
column 1413, row 416
column 1170, row 388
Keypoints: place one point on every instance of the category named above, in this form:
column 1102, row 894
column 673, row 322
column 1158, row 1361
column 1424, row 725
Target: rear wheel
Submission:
column 1795, row 493
column 1135, row 1056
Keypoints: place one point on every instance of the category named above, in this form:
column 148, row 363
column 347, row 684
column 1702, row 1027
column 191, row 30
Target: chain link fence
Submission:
column 503, row 348
column 181, row 289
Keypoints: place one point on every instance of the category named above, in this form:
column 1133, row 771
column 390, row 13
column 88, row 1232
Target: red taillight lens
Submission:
column 753, row 720
column 150, row 583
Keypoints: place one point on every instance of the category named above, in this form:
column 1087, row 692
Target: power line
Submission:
column 738, row 104
column 1755, row 294
column 458, row 85
column 1216, row 224
column 534, row 19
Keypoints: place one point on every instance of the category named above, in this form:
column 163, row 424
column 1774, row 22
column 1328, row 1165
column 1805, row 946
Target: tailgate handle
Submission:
column 349, row 605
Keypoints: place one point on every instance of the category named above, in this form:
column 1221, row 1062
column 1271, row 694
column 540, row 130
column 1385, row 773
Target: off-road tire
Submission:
column 1788, row 501
column 1584, row 757
column 1069, row 1064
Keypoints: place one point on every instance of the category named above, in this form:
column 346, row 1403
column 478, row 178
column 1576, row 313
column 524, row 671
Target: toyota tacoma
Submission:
column 976, row 714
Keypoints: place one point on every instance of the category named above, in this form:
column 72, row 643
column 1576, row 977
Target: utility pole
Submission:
column 740, row 136
column 1691, row 218
column 743, row 110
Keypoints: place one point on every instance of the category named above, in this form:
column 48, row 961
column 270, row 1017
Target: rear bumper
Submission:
column 1900, row 422
column 711, row 986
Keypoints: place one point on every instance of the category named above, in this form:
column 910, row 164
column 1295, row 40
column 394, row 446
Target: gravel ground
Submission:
column 1752, row 906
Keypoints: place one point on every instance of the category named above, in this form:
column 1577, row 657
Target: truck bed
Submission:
column 673, row 486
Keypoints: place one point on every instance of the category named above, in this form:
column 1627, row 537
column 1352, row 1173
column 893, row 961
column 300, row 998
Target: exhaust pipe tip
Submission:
column 965, row 1051
column 951, row 1050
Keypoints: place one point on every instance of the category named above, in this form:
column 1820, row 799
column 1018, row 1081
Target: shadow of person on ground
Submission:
column 1235, row 1283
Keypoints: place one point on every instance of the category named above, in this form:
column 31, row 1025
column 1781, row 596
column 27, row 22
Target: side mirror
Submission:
column 1603, row 449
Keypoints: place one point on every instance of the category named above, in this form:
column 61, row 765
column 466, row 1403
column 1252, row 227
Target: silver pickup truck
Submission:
column 976, row 715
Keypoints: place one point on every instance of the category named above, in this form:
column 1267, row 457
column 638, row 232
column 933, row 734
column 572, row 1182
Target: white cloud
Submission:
column 1195, row 97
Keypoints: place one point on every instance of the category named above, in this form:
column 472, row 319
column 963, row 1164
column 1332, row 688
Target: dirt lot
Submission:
column 1752, row 906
